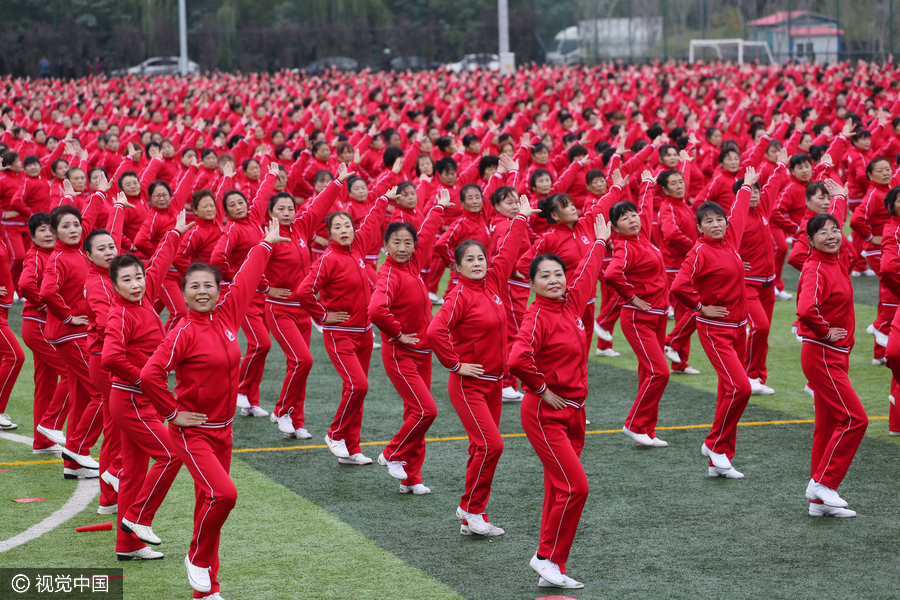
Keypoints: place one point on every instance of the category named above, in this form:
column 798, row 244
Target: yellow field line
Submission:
column 463, row 437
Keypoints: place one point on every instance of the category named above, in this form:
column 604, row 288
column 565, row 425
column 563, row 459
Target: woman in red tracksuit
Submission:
column 468, row 335
column 711, row 282
column 554, row 374
column 133, row 333
column 890, row 279
column 286, row 319
column 11, row 355
column 341, row 279
column 201, row 411
column 401, row 310
column 473, row 224
column 827, row 323
column 638, row 275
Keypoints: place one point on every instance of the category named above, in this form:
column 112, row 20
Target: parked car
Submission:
column 414, row 63
column 471, row 62
column 339, row 63
column 158, row 65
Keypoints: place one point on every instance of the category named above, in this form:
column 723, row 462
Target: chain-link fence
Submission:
column 564, row 31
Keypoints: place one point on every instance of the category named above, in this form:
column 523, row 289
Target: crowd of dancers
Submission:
column 263, row 203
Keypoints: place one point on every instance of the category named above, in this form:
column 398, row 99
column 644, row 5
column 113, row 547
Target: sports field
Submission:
column 655, row 525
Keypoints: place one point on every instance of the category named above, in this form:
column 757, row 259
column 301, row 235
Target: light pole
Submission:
column 507, row 58
column 182, row 38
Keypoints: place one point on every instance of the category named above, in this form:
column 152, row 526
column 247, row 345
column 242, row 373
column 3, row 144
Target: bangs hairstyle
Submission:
column 126, row 175
column 889, row 199
column 228, row 195
column 551, row 204
column 538, row 173
column 123, row 261
column 466, row 188
column 817, row 223
column 724, row 154
column 158, row 183
column 323, row 176
column 274, row 200
column 501, row 193
column 662, row 180
column 398, row 226
column 799, row 159
column 199, row 195
column 710, row 207
column 533, row 267
column 57, row 214
column 403, row 185
column 813, row 186
column 205, row 268
column 871, row 166
column 460, row 251
column 89, row 239
column 429, row 159
column 332, row 216
column 592, row 175
column 620, row 209
column 36, row 220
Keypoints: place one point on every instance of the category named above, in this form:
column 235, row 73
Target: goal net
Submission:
column 735, row 50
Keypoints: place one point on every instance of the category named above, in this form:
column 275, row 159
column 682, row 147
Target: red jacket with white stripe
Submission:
column 757, row 247
column 543, row 355
column 62, row 290
column 825, row 300
column 30, row 283
column 890, row 256
column 870, row 216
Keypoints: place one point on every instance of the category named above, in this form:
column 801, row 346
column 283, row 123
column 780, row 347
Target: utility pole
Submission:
column 507, row 58
column 182, row 37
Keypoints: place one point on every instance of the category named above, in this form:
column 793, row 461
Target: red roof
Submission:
column 811, row 31
column 778, row 18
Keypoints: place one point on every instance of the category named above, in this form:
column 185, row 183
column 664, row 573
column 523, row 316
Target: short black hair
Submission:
column 551, row 204
column 799, row 159
column 889, row 199
column 397, row 226
column 817, row 223
column 89, row 239
column 460, row 251
column 710, row 207
column 533, row 267
column 59, row 212
column 123, row 261
column 36, row 220
column 620, row 209
column 199, row 266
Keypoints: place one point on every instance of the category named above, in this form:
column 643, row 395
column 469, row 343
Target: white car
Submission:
column 471, row 62
column 158, row 65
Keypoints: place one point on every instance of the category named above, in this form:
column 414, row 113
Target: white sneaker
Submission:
column 718, row 460
column 823, row 510
column 84, row 460
column 395, row 467
column 642, row 439
column 254, row 411
column 80, row 473
column 602, row 333
column 243, row 401
column 301, row 434
column 143, row 532
column 495, row 531
column 54, row 435
column 6, row 424
column 855, row 273
column 686, row 371
column 881, row 339
column 608, row 353
column 145, row 553
column 476, row 523
column 198, row 577
column 215, row 596
column 670, row 313
column 417, row 489
column 878, row 361
column 671, row 354
column 891, row 398
column 817, row 491
column 511, row 394
column 54, row 449
column 337, row 447
column 658, row 443
column 868, row 273
column 435, row 301
column 760, row 389
column 729, row 473
column 285, row 425
column 809, row 391
column 111, row 480
column 358, row 459
column 548, row 570
column 108, row 510
column 782, row 295
column 570, row 584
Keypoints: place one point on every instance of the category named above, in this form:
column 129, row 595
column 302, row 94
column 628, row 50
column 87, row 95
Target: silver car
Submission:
column 158, row 65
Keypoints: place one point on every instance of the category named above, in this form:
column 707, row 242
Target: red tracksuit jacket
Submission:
column 890, row 256
column 757, row 247
column 161, row 221
column 825, row 301
column 870, row 216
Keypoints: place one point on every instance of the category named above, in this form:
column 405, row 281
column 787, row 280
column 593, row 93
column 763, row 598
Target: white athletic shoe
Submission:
column 395, row 467
column 878, row 361
column 243, row 401
column 285, row 425
column 254, row 411
column 301, row 434
column 729, row 473
column 84, row 460
column 817, row 491
column 658, row 443
column 337, row 447
column 108, row 510
column 511, row 394
column 476, row 523
column 435, row 301
column 642, row 439
column 145, row 553
column 358, row 459
column 54, row 449
column 417, row 489
column 143, row 532
column 671, row 354
column 871, row 329
column 198, row 577
column 823, row 510
column 670, row 313
column 782, row 295
column 548, row 570
column 760, row 389
column 809, row 391
column 111, row 480
column 686, row 371
column 570, row 584
column 891, row 398
column 881, row 339
column 54, row 435
column 868, row 273
column 607, row 353
column 495, row 531
column 718, row 460
column 856, row 273
column 602, row 333
column 6, row 424
column 215, row 596
column 80, row 473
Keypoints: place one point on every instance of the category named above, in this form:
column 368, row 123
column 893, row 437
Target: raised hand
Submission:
column 103, row 183
column 122, row 200
column 618, row 179
column 646, row 175
column 181, row 224
column 68, row 190
column 750, row 176
column 343, row 173
column 443, row 198
column 392, row 194
column 273, row 236
column 602, row 229
column 525, row 208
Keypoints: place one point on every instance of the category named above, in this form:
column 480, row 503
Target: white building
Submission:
column 800, row 35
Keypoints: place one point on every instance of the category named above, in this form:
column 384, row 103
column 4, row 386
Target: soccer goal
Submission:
column 735, row 50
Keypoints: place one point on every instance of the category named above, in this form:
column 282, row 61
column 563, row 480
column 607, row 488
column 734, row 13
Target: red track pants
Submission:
column 86, row 412
column 841, row 420
column 761, row 305
column 173, row 298
column 51, row 386
column 516, row 304
column 410, row 372
column 646, row 331
column 725, row 347
column 290, row 326
column 478, row 403
column 258, row 345
column 679, row 339
column 608, row 315
column 859, row 261
column 892, row 354
column 781, row 252
column 143, row 435
column 207, row 455
column 350, row 353
column 12, row 357
column 885, row 314
column 19, row 240
column 557, row 436
column 111, row 448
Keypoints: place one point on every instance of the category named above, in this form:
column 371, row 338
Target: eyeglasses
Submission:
column 158, row 196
